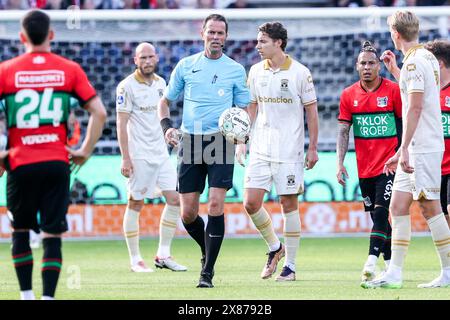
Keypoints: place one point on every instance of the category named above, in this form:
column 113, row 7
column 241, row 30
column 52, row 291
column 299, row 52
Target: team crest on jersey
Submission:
column 160, row 92
column 284, row 85
column 355, row 103
column 290, row 180
column 411, row 67
column 447, row 102
column 382, row 102
column 309, row 79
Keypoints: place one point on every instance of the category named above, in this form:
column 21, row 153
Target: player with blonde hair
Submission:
column 418, row 161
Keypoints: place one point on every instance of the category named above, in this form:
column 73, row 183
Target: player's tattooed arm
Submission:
column 341, row 149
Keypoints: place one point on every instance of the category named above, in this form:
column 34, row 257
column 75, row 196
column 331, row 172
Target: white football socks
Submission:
column 167, row 227
column 131, row 232
column 263, row 223
column 291, row 232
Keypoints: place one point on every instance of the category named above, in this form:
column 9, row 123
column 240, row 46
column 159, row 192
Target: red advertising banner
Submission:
column 318, row 218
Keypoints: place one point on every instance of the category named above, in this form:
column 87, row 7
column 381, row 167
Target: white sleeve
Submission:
column 415, row 75
column 251, row 85
column 124, row 101
column 305, row 87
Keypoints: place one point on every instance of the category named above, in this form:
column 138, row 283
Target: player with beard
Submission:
column 145, row 159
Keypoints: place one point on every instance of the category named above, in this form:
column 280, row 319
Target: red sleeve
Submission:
column 397, row 101
column 82, row 89
column 2, row 75
column 344, row 111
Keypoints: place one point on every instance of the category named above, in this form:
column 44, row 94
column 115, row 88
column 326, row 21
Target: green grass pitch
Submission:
column 327, row 268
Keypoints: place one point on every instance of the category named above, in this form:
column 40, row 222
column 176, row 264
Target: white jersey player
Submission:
column 418, row 160
column 281, row 89
column 145, row 159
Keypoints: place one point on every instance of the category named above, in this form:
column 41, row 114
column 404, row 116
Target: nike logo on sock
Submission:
column 195, row 71
column 214, row 236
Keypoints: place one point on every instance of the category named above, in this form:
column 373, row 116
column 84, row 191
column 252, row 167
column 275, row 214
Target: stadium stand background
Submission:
column 331, row 60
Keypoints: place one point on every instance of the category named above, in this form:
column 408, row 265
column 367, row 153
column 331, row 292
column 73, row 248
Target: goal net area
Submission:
column 326, row 40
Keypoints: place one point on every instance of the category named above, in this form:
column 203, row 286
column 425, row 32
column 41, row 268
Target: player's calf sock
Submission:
column 387, row 252
column 378, row 234
column 401, row 236
column 23, row 261
column 196, row 230
column 441, row 236
column 292, row 229
column 167, row 227
column 131, row 233
column 51, row 265
column 215, row 231
column 263, row 223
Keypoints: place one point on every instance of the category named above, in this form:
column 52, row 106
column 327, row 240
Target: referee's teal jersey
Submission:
column 210, row 87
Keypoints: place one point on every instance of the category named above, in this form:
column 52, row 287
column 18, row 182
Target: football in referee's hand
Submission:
column 234, row 124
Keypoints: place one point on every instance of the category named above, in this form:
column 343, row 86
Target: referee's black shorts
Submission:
column 39, row 187
column 202, row 156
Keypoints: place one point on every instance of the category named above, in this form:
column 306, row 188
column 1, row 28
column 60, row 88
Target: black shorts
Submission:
column 39, row 187
column 445, row 193
column 205, row 155
column 376, row 191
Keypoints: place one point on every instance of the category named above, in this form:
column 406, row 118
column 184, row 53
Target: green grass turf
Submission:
column 327, row 268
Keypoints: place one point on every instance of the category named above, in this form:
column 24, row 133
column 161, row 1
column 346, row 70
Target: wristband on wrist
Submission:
column 166, row 124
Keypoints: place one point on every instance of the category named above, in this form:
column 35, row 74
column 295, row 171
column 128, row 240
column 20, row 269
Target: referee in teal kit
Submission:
column 212, row 82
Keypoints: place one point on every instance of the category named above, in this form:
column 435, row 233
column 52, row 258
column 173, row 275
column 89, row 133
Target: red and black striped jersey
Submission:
column 445, row 109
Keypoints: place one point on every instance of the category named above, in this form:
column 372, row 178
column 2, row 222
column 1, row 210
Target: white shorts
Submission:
column 425, row 181
column 147, row 176
column 287, row 177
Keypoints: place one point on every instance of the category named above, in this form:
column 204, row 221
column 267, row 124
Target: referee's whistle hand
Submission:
column 172, row 137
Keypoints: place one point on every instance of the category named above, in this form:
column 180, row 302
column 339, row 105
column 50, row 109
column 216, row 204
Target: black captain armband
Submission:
column 166, row 124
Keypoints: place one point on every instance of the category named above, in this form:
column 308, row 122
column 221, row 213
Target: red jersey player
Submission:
column 373, row 106
column 36, row 87
column 441, row 50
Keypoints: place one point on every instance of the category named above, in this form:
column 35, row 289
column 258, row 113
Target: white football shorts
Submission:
column 287, row 177
column 425, row 181
column 146, row 177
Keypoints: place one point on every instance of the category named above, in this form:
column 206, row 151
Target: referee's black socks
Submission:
column 196, row 230
column 215, row 231
column 22, row 259
column 51, row 265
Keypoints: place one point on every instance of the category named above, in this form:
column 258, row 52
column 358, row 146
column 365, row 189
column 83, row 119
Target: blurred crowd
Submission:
column 193, row 4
